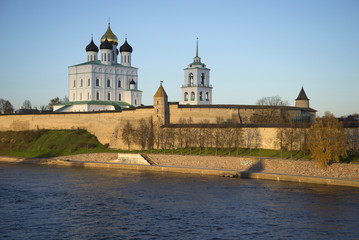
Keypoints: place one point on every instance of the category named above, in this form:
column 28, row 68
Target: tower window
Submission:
column 73, row 97
column 119, row 83
column 108, row 57
column 80, row 96
column 88, row 82
column 119, row 97
column 81, row 83
column 201, row 96
column 202, row 79
column 113, row 55
column 88, row 96
column 74, row 83
column 207, row 96
column 135, row 101
column 97, row 96
column 191, row 79
column 192, row 96
column 108, row 83
column 97, row 82
column 109, row 96
column 186, row 96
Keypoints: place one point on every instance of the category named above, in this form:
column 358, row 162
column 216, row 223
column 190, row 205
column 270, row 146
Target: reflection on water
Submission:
column 39, row 202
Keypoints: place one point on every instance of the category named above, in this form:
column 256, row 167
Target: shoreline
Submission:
column 240, row 167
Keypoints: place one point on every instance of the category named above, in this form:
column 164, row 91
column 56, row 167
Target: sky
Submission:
column 254, row 48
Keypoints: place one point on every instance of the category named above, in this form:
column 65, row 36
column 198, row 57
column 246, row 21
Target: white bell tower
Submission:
column 196, row 89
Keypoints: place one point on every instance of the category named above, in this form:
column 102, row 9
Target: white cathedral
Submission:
column 100, row 85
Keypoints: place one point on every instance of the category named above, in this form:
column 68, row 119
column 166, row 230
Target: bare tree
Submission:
column 6, row 107
column 253, row 138
column 127, row 134
column 180, row 134
column 352, row 139
column 290, row 136
column 280, row 139
column 26, row 104
column 267, row 111
column 230, row 138
column 238, row 132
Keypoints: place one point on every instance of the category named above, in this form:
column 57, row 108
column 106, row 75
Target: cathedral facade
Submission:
column 103, row 82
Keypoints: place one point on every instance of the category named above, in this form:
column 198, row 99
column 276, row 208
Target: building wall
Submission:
column 107, row 126
column 91, row 72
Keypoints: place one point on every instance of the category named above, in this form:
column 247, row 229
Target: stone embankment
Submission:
column 246, row 167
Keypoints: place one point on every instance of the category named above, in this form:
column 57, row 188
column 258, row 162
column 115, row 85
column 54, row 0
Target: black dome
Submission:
column 106, row 45
column 126, row 47
column 132, row 82
column 91, row 47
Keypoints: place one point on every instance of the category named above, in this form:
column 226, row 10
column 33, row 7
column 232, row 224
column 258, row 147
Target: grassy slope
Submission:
column 49, row 143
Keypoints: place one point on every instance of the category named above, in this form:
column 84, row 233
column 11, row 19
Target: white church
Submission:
column 103, row 85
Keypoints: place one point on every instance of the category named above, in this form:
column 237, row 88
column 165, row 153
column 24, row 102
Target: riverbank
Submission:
column 258, row 168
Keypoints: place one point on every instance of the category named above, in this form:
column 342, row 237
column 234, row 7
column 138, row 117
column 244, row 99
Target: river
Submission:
column 45, row 202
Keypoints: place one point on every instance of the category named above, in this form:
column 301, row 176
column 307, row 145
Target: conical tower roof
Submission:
column 302, row 95
column 160, row 92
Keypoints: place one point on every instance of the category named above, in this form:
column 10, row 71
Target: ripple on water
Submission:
column 40, row 202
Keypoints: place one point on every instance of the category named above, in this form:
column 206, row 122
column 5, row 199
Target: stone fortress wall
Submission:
column 108, row 126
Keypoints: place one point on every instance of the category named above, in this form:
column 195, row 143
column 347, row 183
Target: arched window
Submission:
column 201, row 96
column 108, row 83
column 135, row 101
column 186, row 96
column 190, row 77
column 113, row 55
column 119, row 97
column 192, row 96
column 207, row 96
column 88, row 96
column 81, row 83
column 108, row 57
column 97, row 82
column 73, row 97
column 97, row 96
column 202, row 79
column 74, row 83
column 124, row 57
column 88, row 82
column 109, row 96
column 128, row 59
column 80, row 96
column 119, row 83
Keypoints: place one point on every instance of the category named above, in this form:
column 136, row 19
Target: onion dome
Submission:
column 126, row 47
column 110, row 36
column 91, row 47
column 132, row 82
column 106, row 45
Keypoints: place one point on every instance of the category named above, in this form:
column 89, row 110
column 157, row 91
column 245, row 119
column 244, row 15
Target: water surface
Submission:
column 40, row 202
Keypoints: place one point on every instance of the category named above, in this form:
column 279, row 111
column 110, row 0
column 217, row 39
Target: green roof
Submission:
column 95, row 102
column 98, row 62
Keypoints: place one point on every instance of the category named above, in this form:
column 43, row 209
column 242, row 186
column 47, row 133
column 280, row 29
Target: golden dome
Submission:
column 110, row 36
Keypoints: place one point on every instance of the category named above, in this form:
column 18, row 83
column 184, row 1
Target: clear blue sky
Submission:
column 253, row 48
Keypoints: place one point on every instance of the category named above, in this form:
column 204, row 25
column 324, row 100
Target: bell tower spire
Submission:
column 197, row 48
